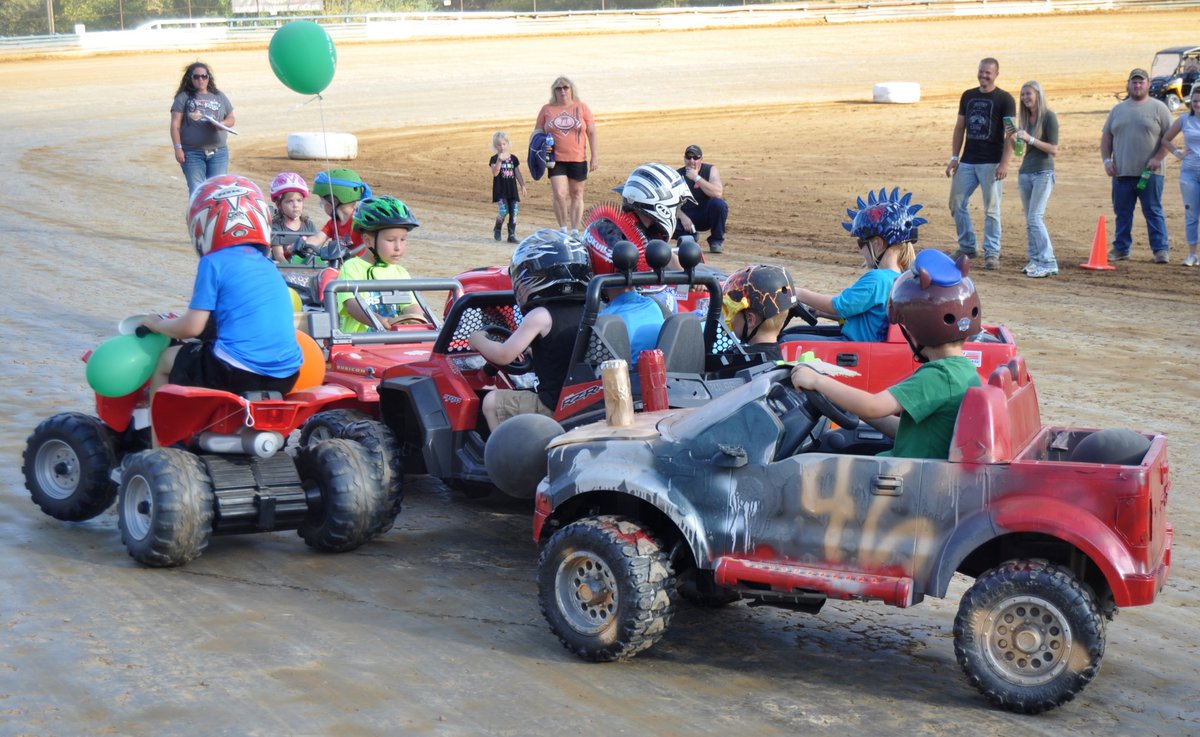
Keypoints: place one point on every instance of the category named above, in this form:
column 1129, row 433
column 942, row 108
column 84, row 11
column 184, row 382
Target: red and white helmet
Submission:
column 288, row 181
column 228, row 210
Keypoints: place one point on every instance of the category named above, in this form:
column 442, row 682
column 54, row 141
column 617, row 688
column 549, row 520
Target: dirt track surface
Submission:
column 434, row 628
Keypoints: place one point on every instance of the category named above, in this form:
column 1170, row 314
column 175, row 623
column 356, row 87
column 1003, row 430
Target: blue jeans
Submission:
column 1035, row 193
column 711, row 216
column 1189, row 187
column 198, row 165
column 966, row 178
column 1125, row 195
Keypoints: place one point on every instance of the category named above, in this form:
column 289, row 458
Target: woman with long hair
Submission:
column 200, row 116
column 1037, row 126
column 569, row 120
column 1189, row 171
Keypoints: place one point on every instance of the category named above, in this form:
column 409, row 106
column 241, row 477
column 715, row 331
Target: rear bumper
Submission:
column 1141, row 589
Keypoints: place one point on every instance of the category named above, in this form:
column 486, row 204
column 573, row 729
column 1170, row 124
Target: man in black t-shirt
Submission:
column 984, row 161
column 709, row 211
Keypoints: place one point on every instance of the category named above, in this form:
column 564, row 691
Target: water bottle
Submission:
column 549, row 150
column 1018, row 144
column 1144, row 179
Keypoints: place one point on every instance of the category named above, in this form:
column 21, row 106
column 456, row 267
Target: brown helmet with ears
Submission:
column 935, row 302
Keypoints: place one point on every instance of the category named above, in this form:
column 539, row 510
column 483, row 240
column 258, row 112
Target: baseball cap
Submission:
column 694, row 150
column 1139, row 72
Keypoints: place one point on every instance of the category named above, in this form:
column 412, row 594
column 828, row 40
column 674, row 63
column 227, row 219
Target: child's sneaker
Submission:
column 1192, row 260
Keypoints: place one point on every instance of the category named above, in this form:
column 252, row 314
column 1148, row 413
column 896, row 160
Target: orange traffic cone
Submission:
column 1098, row 261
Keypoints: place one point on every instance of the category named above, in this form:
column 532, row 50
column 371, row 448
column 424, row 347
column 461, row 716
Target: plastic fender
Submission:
column 179, row 412
column 117, row 412
column 411, row 407
column 632, row 463
column 969, row 535
column 1058, row 519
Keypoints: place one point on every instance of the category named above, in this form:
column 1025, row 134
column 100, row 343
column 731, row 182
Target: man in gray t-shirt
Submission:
column 1131, row 136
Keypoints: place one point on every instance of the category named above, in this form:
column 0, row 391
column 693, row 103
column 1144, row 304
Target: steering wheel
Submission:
column 522, row 364
column 411, row 320
column 801, row 311
column 821, row 404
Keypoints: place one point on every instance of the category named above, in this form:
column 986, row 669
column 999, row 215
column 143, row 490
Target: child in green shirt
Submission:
column 385, row 223
column 937, row 309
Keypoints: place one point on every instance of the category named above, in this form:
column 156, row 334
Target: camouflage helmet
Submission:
column 934, row 302
column 888, row 216
column 549, row 266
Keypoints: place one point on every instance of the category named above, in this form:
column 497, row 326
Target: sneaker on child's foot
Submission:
column 1192, row 260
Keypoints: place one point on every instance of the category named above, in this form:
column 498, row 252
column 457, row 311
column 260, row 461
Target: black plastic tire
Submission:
column 328, row 424
column 67, row 463
column 350, row 489
column 380, row 444
column 606, row 587
column 1029, row 635
column 166, row 507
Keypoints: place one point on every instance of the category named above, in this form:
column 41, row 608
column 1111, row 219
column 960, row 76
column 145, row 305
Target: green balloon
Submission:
column 120, row 365
column 303, row 57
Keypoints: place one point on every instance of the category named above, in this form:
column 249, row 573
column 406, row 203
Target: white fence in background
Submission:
column 208, row 33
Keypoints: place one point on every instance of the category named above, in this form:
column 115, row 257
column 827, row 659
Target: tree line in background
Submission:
column 32, row 17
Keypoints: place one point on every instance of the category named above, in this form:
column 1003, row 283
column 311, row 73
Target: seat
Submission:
column 681, row 340
column 610, row 330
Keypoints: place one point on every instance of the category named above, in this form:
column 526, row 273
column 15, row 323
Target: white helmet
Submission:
column 657, row 190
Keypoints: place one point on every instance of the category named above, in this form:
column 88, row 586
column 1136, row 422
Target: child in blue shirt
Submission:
column 885, row 228
column 239, row 287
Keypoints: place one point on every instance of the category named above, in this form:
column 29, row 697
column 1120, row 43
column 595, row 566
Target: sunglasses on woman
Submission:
column 199, row 76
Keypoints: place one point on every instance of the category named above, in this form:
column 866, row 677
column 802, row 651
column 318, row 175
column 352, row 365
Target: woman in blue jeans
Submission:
column 1038, row 128
column 196, row 111
column 1189, row 172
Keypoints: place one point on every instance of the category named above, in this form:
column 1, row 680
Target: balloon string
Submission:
column 328, row 166
column 299, row 105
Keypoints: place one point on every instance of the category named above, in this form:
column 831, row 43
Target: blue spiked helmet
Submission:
column 887, row 215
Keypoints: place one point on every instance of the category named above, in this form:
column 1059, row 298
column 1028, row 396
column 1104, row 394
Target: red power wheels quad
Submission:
column 221, row 470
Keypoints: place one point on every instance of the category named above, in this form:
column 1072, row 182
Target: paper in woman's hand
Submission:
column 220, row 125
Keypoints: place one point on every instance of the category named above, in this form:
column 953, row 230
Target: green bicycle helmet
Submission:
column 379, row 213
column 344, row 185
